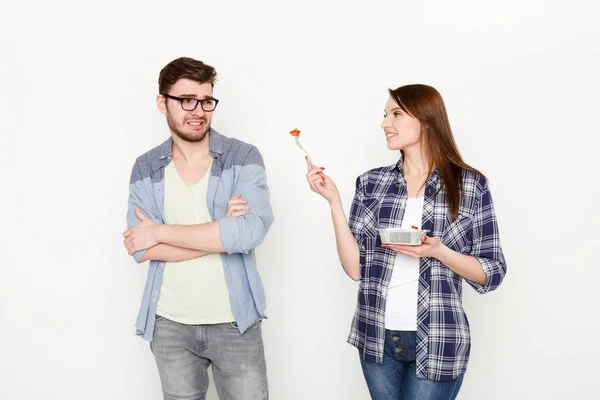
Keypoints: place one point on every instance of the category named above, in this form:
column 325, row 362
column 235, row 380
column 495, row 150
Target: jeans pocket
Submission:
column 234, row 325
column 255, row 325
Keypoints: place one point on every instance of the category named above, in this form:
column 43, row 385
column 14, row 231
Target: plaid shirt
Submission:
column 443, row 338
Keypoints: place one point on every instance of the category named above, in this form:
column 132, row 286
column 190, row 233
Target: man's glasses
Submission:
column 190, row 104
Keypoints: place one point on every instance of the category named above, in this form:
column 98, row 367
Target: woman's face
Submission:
column 401, row 129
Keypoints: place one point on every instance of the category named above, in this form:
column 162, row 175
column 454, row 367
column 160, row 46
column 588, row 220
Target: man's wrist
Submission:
column 159, row 233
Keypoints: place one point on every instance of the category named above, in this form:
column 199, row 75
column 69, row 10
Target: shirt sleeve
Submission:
column 241, row 234
column 139, row 197
column 356, row 220
column 486, row 244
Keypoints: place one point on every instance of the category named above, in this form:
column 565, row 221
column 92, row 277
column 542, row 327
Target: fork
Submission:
column 304, row 150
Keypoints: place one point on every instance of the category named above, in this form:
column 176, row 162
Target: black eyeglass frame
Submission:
column 201, row 102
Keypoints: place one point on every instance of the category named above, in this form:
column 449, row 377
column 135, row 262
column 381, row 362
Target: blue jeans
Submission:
column 396, row 378
column 184, row 352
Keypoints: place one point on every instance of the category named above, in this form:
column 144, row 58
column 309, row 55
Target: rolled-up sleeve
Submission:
column 241, row 234
column 139, row 197
column 356, row 223
column 486, row 243
column 356, row 220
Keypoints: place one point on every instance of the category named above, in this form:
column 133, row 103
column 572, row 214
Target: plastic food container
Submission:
column 410, row 237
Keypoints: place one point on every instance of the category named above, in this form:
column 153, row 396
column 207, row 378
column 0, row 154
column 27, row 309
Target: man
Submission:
column 188, row 214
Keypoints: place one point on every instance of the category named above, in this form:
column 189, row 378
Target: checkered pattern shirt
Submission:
column 443, row 338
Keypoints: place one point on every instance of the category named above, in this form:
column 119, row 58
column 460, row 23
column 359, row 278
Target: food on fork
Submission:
column 296, row 134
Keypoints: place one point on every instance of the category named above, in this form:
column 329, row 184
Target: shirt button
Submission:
column 394, row 338
column 162, row 264
column 397, row 350
column 155, row 292
column 154, row 300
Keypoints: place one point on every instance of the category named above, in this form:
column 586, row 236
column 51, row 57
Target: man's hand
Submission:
column 141, row 236
column 236, row 206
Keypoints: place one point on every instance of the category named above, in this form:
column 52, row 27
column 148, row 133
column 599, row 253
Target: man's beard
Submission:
column 175, row 128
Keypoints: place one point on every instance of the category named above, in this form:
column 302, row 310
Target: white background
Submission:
column 520, row 81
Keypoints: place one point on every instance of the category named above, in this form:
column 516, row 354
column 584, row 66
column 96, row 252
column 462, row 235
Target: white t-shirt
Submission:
column 401, row 303
column 193, row 291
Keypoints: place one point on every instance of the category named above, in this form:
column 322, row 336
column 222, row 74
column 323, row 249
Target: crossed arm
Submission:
column 178, row 242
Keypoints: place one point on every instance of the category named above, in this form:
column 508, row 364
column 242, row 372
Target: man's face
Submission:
column 191, row 126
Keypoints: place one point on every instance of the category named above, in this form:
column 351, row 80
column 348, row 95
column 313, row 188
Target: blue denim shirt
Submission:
column 237, row 168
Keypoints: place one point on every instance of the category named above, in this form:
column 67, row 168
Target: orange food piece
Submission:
column 295, row 132
column 414, row 227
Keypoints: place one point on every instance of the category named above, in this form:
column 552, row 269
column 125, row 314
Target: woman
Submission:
column 410, row 327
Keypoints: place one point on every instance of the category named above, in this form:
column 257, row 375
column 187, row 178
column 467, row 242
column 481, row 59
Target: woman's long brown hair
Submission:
column 426, row 104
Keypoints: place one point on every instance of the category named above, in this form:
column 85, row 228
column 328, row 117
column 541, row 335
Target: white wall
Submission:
column 520, row 80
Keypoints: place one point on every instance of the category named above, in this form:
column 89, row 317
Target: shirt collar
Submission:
column 216, row 143
column 165, row 150
column 432, row 180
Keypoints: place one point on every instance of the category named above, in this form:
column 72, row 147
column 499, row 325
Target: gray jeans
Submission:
column 184, row 352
